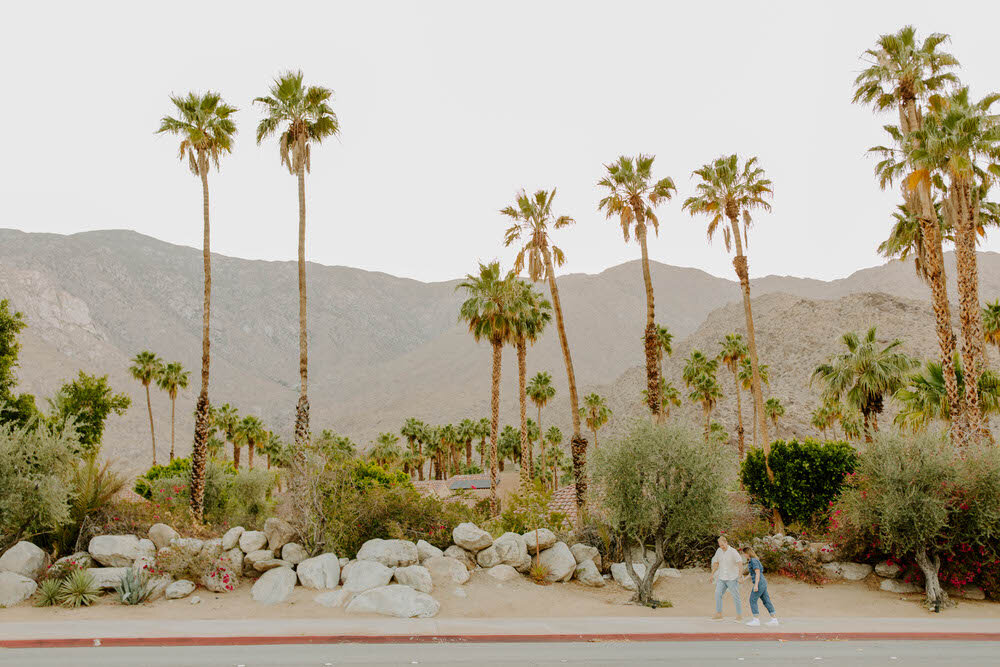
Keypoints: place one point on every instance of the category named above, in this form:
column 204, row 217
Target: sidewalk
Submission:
column 395, row 630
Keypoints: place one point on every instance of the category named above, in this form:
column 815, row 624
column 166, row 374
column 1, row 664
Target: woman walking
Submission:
column 758, row 589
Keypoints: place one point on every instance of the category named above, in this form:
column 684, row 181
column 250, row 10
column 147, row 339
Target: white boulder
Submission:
column 427, row 550
column 293, row 553
column 366, row 574
column 855, row 571
column 513, row 551
column 621, row 576
column 488, row 557
column 252, row 540
column 888, row 570
column 897, row 586
column 559, row 561
column 119, row 550
column 416, row 577
column 394, row 600
column 233, row 559
column 187, row 548
column 503, row 572
column 25, row 559
column 251, row 559
column 106, row 578
column 179, row 589
column 587, row 574
column 161, row 534
column 466, row 558
column 471, row 537
column 545, row 539
column 274, row 586
column 582, row 552
column 391, row 553
column 221, row 579
column 334, row 599
column 967, row 593
column 15, row 588
column 445, row 570
column 231, row 539
column 278, row 532
column 320, row 572
column 79, row 560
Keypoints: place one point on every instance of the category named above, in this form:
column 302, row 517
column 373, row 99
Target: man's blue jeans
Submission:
column 734, row 589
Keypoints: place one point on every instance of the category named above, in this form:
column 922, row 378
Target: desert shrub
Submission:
column 240, row 498
column 178, row 468
column 808, row 475
column 527, row 510
column 78, row 589
column 790, row 562
column 94, row 486
column 36, row 467
column 925, row 501
column 661, row 487
column 133, row 588
column 48, row 592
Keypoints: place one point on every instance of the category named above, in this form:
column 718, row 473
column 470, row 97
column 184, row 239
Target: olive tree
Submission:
column 919, row 496
column 661, row 486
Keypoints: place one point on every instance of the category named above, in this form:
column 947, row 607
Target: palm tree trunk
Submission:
column 173, row 410
column 741, row 445
column 595, row 438
column 149, row 406
column 468, row 453
column 302, row 408
column 236, row 455
column 250, row 448
column 494, row 427
column 708, row 421
column 522, row 353
column 651, row 344
column 541, row 443
column 578, row 444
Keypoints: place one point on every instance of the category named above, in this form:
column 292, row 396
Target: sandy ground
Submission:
column 691, row 595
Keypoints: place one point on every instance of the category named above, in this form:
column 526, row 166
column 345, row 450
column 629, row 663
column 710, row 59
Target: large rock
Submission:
column 832, row 570
column 15, row 588
column 270, row 564
column 855, row 571
column 233, row 559
column 274, row 586
column 587, row 574
column 466, row 558
column 488, row 557
column 320, row 572
column 445, row 570
column 545, row 539
column 582, row 552
column 231, row 539
column 334, row 599
column 427, row 550
column 158, row 586
column 391, row 553
column 512, row 550
column 471, row 537
column 252, row 540
column 897, row 586
column 502, row 572
column 967, row 592
column 106, row 578
column 888, row 570
column 179, row 589
column 161, row 534
column 621, row 576
column 251, row 559
column 823, row 552
column 559, row 561
column 119, row 550
column 366, row 574
column 279, row 533
column 394, row 600
column 344, row 569
column 211, row 550
column 187, row 548
column 220, row 578
column 416, row 577
column 293, row 553
column 25, row 559
column 81, row 560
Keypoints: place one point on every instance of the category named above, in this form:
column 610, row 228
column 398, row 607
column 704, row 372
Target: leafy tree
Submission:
column 206, row 130
column 774, row 410
column 18, row 409
column 533, row 313
column 302, row 116
column 734, row 352
column 925, row 399
column 146, row 368
column 491, row 312
column 271, row 446
column 665, row 339
column 660, row 487
column 532, row 217
column 631, row 195
column 728, row 191
column 336, row 448
column 864, row 375
column 595, row 412
column 172, row 378
column 86, row 403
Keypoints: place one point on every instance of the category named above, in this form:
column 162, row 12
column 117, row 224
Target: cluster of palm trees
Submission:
column 300, row 116
column 227, row 426
column 148, row 369
column 945, row 154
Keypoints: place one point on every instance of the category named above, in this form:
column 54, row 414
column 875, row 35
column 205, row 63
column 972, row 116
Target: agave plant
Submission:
column 134, row 587
column 48, row 593
column 78, row 589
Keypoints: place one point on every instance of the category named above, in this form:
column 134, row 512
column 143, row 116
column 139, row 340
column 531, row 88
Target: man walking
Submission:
column 726, row 567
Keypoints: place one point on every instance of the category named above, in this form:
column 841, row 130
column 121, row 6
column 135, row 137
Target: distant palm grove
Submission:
column 941, row 150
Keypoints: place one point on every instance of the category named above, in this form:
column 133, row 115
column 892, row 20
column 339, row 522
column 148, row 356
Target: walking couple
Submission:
column 727, row 571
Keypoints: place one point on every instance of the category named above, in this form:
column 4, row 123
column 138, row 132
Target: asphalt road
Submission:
column 703, row 654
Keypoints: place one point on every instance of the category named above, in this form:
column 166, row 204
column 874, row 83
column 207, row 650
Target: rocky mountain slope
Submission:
column 384, row 348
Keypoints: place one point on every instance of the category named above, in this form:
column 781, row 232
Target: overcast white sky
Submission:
column 448, row 108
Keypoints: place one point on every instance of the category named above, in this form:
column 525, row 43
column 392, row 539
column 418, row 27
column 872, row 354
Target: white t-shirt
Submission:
column 730, row 563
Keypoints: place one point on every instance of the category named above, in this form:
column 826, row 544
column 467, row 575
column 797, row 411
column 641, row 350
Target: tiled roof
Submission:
column 433, row 487
column 564, row 502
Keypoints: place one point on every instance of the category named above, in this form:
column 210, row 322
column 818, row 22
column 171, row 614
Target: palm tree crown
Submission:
column 531, row 217
column 301, row 113
column 632, row 194
column 490, row 309
column 726, row 190
column 203, row 122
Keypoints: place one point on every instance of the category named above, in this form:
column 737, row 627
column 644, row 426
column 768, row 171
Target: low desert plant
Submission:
column 78, row 589
column 179, row 467
column 48, row 592
column 539, row 573
column 133, row 588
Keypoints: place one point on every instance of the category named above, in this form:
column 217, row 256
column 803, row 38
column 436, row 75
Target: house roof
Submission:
column 564, row 502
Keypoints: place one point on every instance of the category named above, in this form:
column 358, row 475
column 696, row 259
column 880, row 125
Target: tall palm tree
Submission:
column 991, row 323
column 699, row 374
column 411, row 431
column 746, row 382
column 386, row 451
column 531, row 218
column 665, row 340
column 172, row 378
column 669, row 396
column 483, row 428
column 924, row 399
column 206, row 130
column 734, row 351
column 596, row 413
column 541, row 391
column 226, row 418
column 302, row 115
column 631, row 196
column 864, row 375
column 553, row 437
column 491, row 313
column 254, row 433
column 272, row 446
column 146, row 368
column 906, row 238
column 774, row 410
column 467, row 431
column 902, row 73
column 533, row 313
column 728, row 191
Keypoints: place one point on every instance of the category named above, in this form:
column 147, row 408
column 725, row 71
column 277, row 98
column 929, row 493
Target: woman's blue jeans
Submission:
column 760, row 594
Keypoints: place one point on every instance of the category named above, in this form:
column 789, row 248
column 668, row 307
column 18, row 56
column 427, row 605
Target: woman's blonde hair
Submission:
column 749, row 551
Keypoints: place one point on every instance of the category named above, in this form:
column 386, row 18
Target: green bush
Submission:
column 236, row 498
column 790, row 562
column 808, row 476
column 176, row 468
column 528, row 510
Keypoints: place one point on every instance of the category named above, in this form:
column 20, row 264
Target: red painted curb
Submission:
column 487, row 639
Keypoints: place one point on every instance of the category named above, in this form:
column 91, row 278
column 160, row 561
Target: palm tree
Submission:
column 774, row 410
column 411, row 431
column 727, row 191
column 864, row 374
column 449, row 441
column 533, row 313
column 509, row 446
column 665, row 340
column 903, row 73
column 631, row 197
column 906, row 238
column 991, row 323
column 669, row 396
column 146, row 368
column 482, row 432
column 699, row 374
column 553, row 437
column 531, row 218
column 818, row 419
column 226, row 418
column 254, row 433
column 467, row 432
column 206, row 131
column 272, row 446
column 734, row 352
column 746, row 382
column 541, row 391
column 172, row 378
column 490, row 311
column 596, row 413
column 386, row 451
column 303, row 116
column 925, row 398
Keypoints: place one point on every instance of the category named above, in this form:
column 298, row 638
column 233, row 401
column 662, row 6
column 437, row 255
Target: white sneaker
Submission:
column 754, row 622
column 773, row 621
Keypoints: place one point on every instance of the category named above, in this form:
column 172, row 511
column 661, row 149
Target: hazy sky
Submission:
column 447, row 109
